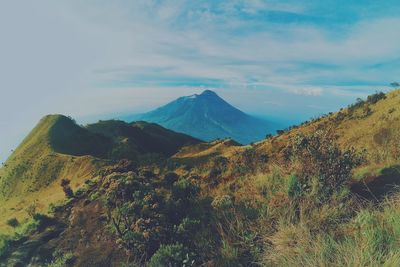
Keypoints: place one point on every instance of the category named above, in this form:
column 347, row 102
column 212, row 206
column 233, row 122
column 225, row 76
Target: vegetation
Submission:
column 13, row 222
column 146, row 212
column 319, row 194
column 65, row 184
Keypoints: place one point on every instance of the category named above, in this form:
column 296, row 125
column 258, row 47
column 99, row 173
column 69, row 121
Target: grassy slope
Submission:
column 37, row 157
column 35, row 168
column 357, row 234
column 58, row 148
column 378, row 133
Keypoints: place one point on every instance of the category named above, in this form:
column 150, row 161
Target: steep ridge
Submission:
column 40, row 159
column 57, row 141
column 58, row 148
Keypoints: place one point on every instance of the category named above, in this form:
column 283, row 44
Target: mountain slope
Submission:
column 208, row 117
column 371, row 127
column 41, row 158
column 58, row 148
column 138, row 138
column 57, row 142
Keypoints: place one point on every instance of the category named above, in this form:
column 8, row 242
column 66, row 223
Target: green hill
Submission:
column 40, row 158
column 57, row 143
column 58, row 148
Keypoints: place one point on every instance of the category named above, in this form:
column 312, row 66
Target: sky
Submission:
column 288, row 60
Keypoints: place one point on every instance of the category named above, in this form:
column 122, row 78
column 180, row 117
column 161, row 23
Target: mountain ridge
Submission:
column 58, row 148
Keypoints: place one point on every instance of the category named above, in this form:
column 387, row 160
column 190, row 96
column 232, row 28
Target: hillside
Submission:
column 208, row 117
column 58, row 148
column 57, row 141
column 323, row 188
column 51, row 149
column 371, row 125
column 129, row 141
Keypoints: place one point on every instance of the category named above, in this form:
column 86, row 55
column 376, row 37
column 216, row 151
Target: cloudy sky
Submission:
column 282, row 59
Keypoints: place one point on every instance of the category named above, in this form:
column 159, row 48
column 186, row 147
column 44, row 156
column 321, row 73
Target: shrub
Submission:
column 170, row 178
column 294, row 187
column 228, row 255
column 55, row 207
column 374, row 98
column 65, row 184
column 5, row 245
column 171, row 255
column 61, row 260
column 322, row 168
column 183, row 189
column 145, row 213
column 13, row 222
column 359, row 103
column 222, row 202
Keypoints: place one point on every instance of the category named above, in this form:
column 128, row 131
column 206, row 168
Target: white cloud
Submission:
column 55, row 54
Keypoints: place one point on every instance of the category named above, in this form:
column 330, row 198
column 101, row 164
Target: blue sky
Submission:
column 281, row 59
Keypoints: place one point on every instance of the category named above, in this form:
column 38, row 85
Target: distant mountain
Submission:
column 208, row 117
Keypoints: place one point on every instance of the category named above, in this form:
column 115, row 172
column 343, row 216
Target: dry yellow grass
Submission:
column 33, row 172
column 77, row 169
column 224, row 148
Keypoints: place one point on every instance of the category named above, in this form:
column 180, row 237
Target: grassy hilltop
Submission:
column 323, row 193
column 58, row 148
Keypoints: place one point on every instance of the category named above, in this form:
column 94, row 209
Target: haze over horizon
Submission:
column 282, row 59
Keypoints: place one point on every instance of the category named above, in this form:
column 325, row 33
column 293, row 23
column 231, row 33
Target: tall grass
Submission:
column 371, row 238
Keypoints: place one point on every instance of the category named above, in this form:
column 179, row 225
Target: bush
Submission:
column 184, row 189
column 171, row 255
column 374, row 98
column 13, row 222
column 294, row 187
column 322, row 167
column 55, row 207
column 5, row 245
column 145, row 213
column 61, row 260
column 65, row 184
